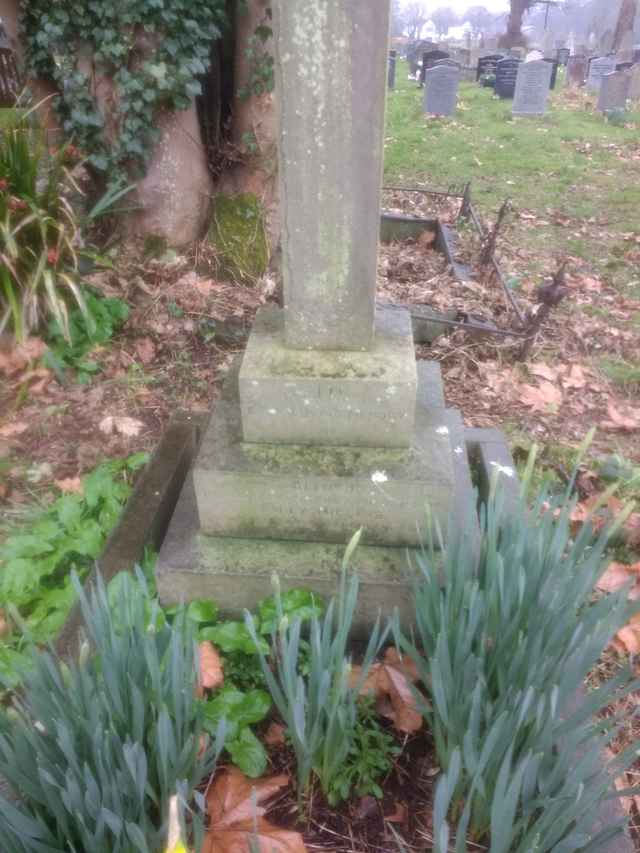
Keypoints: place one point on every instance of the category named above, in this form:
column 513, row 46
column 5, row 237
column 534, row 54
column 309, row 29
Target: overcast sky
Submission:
column 460, row 5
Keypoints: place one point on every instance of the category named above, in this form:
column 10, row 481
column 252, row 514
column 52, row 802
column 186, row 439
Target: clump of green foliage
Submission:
column 154, row 51
column 38, row 232
column 260, row 63
column 71, row 353
column 370, row 757
column 95, row 749
column 503, row 644
column 244, row 701
column 36, row 562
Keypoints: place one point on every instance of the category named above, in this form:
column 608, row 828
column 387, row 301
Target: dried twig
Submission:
column 489, row 244
column 548, row 297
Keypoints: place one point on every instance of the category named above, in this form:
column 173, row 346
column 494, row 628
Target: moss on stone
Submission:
column 336, row 461
column 239, row 236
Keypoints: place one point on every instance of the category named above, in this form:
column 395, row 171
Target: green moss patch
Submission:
column 239, row 236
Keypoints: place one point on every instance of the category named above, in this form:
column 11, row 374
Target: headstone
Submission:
column 330, row 426
column 532, row 88
column 634, row 83
column 429, row 59
column 391, row 73
column 534, row 55
column 506, row 73
column 450, row 62
column 487, row 64
column 614, row 91
column 623, row 66
column 441, row 90
column 576, row 70
column 562, row 55
column 598, row 67
column 554, row 72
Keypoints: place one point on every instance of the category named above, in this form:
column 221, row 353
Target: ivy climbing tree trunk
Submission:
column 254, row 124
column 43, row 90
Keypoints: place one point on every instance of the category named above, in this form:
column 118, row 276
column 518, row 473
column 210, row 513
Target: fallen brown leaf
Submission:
column 211, row 666
column 125, row 426
column 146, row 350
column 617, row 575
column 70, row 485
column 17, row 358
column 399, row 815
column 274, row 735
column 622, row 418
column 543, row 370
column 627, row 640
column 236, row 810
column 12, row 429
column 575, row 377
column 389, row 682
column 540, row 397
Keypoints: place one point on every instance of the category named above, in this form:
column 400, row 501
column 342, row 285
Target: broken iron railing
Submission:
column 467, row 211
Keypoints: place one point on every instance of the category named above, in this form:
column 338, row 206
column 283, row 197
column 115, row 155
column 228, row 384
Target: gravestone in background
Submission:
column 554, row 72
column 614, row 91
column 532, row 88
column 487, row 64
column 634, row 83
column 576, row 70
column 598, row 67
column 533, row 55
column 441, row 90
column 391, row 75
column 624, row 66
column 562, row 55
column 429, row 59
column 506, row 74
column 451, row 63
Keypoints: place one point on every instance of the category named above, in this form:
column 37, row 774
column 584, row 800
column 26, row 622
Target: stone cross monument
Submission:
column 329, row 426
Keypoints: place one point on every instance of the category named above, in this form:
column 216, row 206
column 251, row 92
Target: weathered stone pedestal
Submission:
column 330, row 427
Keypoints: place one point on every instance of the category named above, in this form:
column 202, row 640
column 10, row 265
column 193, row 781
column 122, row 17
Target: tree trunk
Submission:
column 624, row 26
column 513, row 36
column 254, row 127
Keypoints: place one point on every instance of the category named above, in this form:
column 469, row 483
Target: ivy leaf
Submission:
column 232, row 637
column 248, row 754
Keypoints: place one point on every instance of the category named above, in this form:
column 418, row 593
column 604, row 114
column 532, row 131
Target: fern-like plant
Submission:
column 95, row 750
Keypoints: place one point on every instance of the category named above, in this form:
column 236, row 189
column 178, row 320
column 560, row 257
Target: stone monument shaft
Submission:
column 331, row 60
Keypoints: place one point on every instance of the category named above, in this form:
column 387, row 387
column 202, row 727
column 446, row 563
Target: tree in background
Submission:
column 513, row 35
column 443, row 19
column 415, row 17
column 625, row 22
column 480, row 19
column 397, row 19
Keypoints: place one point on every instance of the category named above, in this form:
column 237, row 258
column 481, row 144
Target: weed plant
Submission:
column 503, row 646
column 96, row 749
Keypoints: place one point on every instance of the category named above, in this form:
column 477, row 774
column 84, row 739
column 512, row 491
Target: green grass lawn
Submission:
column 571, row 161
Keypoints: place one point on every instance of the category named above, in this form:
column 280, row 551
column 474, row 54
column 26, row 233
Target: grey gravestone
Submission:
column 634, row 83
column 576, row 70
column 441, row 90
column 532, row 88
column 614, row 91
column 391, row 75
column 487, row 64
column 448, row 62
column 598, row 67
column 562, row 55
column 429, row 59
column 506, row 74
column 554, row 72
column 624, row 66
